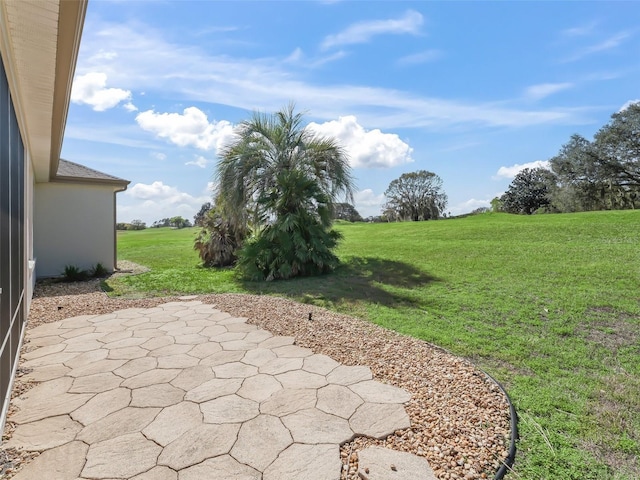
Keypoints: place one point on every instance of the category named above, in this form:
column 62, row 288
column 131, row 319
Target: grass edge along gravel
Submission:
column 549, row 305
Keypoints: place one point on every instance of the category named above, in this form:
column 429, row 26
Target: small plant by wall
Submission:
column 72, row 273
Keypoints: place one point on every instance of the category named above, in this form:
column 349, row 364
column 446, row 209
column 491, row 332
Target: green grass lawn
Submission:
column 549, row 305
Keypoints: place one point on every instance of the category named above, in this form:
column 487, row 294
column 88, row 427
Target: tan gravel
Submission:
column 459, row 417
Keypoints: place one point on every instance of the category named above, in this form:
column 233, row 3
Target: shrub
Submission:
column 99, row 271
column 73, row 273
column 218, row 240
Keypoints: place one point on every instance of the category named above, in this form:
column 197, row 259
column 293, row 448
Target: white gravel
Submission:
column 459, row 417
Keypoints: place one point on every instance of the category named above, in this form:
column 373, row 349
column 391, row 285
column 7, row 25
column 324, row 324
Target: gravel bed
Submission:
column 459, row 417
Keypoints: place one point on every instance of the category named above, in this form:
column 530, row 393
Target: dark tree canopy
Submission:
column 346, row 211
column 604, row 173
column 415, row 196
column 199, row 218
column 529, row 191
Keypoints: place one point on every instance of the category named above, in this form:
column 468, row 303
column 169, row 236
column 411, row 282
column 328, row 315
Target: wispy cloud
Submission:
column 607, row 44
column 362, row 32
column 579, row 30
column 145, row 61
column 200, row 161
column 421, row 57
column 543, row 90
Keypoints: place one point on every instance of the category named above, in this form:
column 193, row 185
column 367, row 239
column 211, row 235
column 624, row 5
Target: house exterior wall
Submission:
column 73, row 225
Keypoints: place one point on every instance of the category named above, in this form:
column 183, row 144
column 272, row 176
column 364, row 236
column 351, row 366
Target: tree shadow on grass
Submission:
column 358, row 279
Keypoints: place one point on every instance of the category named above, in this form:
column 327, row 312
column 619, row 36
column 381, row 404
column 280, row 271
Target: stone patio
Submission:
column 185, row 391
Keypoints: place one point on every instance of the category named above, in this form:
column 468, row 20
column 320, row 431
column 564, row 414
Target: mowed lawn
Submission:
column 548, row 304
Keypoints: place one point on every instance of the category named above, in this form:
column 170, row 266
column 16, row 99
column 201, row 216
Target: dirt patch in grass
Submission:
column 616, row 411
column 611, row 329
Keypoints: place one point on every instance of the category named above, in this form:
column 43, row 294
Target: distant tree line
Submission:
column 174, row 222
column 602, row 174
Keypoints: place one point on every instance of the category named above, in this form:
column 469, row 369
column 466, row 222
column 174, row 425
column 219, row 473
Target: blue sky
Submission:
column 473, row 91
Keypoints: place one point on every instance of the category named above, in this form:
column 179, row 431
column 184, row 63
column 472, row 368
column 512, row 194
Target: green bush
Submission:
column 73, row 273
column 99, row 271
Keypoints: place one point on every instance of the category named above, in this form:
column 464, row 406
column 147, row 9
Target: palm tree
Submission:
column 282, row 180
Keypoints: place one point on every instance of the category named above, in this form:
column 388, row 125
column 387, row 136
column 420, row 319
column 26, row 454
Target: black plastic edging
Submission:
column 511, row 458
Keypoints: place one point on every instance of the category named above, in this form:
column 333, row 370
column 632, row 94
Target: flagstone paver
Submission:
column 183, row 391
column 45, row 434
column 376, row 464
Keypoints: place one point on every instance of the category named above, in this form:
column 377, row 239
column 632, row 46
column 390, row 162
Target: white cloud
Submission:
column 469, row 206
column 513, row 170
column 366, row 148
column 362, row 32
column 628, row 104
column 542, row 90
column 191, row 128
column 91, row 89
column 200, row 161
column 151, row 202
column 367, row 203
column 159, row 155
column 130, row 107
column 421, row 57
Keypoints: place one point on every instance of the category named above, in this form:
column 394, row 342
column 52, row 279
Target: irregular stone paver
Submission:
column 375, row 463
column 260, row 441
column 151, row 377
column 346, row 375
column 50, row 372
column 190, row 378
column 220, row 467
column 234, row 370
column 301, row 379
column 376, row 392
column 183, row 391
column 229, row 409
column 286, row 402
column 136, row 367
column 160, row 395
column 101, row 366
column 198, row 444
column 259, row 387
column 173, row 421
column 220, row 358
column 315, row 426
column 157, row 473
column 102, row 405
column 100, row 382
column 258, row 356
column 292, row 351
column 87, row 358
column 311, row 462
column 217, row 387
column 338, row 400
column 127, row 420
column 44, row 434
column 121, row 457
column 62, row 463
column 281, row 365
column 378, row 420
column 320, row 364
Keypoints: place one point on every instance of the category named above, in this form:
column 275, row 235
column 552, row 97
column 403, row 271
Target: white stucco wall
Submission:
column 73, row 225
